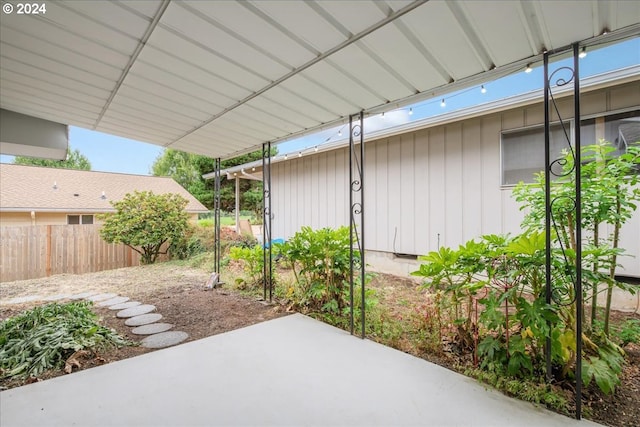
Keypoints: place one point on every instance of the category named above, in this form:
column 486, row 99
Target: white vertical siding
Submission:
column 430, row 187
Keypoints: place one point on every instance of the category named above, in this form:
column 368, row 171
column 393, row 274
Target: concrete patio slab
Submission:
column 289, row 371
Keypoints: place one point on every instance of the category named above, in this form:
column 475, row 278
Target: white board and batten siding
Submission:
column 437, row 186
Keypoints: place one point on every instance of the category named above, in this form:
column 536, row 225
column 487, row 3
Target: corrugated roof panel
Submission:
column 201, row 28
column 241, row 119
column 69, row 70
column 313, row 29
column 361, row 66
column 12, row 68
column 437, row 29
column 148, row 8
column 411, row 63
column 622, row 14
column 187, row 50
column 281, row 121
column 354, row 15
column 555, row 21
column 309, row 107
column 322, row 95
column 187, row 110
column 95, row 30
column 43, row 29
column 24, row 106
column 505, row 39
column 18, row 88
column 240, row 21
column 44, row 49
column 329, row 74
column 193, row 73
column 299, row 117
column 51, row 110
column 136, row 119
column 111, row 14
column 179, row 98
column 177, row 82
column 246, row 127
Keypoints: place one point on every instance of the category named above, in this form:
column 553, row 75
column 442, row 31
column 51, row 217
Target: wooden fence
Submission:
column 30, row 252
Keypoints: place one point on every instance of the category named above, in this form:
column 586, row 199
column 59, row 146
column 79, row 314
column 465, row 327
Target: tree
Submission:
column 187, row 169
column 145, row 221
column 74, row 160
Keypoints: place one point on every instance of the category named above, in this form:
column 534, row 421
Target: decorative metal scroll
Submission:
column 216, row 215
column 356, row 216
column 267, row 254
column 564, row 276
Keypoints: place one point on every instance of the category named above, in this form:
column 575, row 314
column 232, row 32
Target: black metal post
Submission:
column 216, row 216
column 547, row 204
column 356, row 216
column 564, row 287
column 267, row 253
column 578, row 182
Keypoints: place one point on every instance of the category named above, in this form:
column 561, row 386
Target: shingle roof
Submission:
column 32, row 188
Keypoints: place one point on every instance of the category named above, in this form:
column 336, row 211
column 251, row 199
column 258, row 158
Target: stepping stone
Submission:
column 83, row 295
column 164, row 339
column 57, row 297
column 143, row 319
column 124, row 305
column 136, row 311
column 113, row 301
column 101, row 297
column 152, row 328
column 20, row 300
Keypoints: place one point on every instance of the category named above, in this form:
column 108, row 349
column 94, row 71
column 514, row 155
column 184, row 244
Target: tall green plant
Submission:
column 609, row 195
column 320, row 260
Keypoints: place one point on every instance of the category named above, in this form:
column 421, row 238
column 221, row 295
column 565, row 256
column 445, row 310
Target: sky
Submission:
column 115, row 154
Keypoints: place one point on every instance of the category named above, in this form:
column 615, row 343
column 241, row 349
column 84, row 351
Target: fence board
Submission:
column 30, row 252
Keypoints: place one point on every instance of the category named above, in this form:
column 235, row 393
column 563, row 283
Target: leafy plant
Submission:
column 145, row 221
column 253, row 261
column 321, row 262
column 44, row 337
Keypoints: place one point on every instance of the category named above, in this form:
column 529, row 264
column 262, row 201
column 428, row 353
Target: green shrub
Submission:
column 253, row 261
column 321, row 263
column 44, row 337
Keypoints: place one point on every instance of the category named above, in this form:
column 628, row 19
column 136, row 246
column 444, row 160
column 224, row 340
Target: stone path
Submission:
column 140, row 317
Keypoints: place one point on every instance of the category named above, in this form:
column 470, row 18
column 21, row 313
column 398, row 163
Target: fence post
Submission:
column 48, row 258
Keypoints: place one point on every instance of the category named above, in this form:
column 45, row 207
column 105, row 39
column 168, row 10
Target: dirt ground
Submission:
column 179, row 295
column 177, row 292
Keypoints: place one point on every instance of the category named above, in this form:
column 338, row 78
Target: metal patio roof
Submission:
column 219, row 78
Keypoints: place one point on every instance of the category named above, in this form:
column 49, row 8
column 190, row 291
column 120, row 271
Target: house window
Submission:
column 523, row 152
column 79, row 219
column 523, row 149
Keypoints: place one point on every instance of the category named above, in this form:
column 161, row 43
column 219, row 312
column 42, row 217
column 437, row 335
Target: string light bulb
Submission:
column 442, row 103
column 528, row 69
column 316, row 149
column 383, row 114
column 300, row 154
column 483, row 89
column 285, row 157
column 411, row 111
column 583, row 53
column 339, row 134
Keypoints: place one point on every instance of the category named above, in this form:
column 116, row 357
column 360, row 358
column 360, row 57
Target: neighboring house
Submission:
column 31, row 195
column 444, row 180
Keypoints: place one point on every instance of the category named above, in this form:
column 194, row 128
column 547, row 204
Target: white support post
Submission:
column 237, row 205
